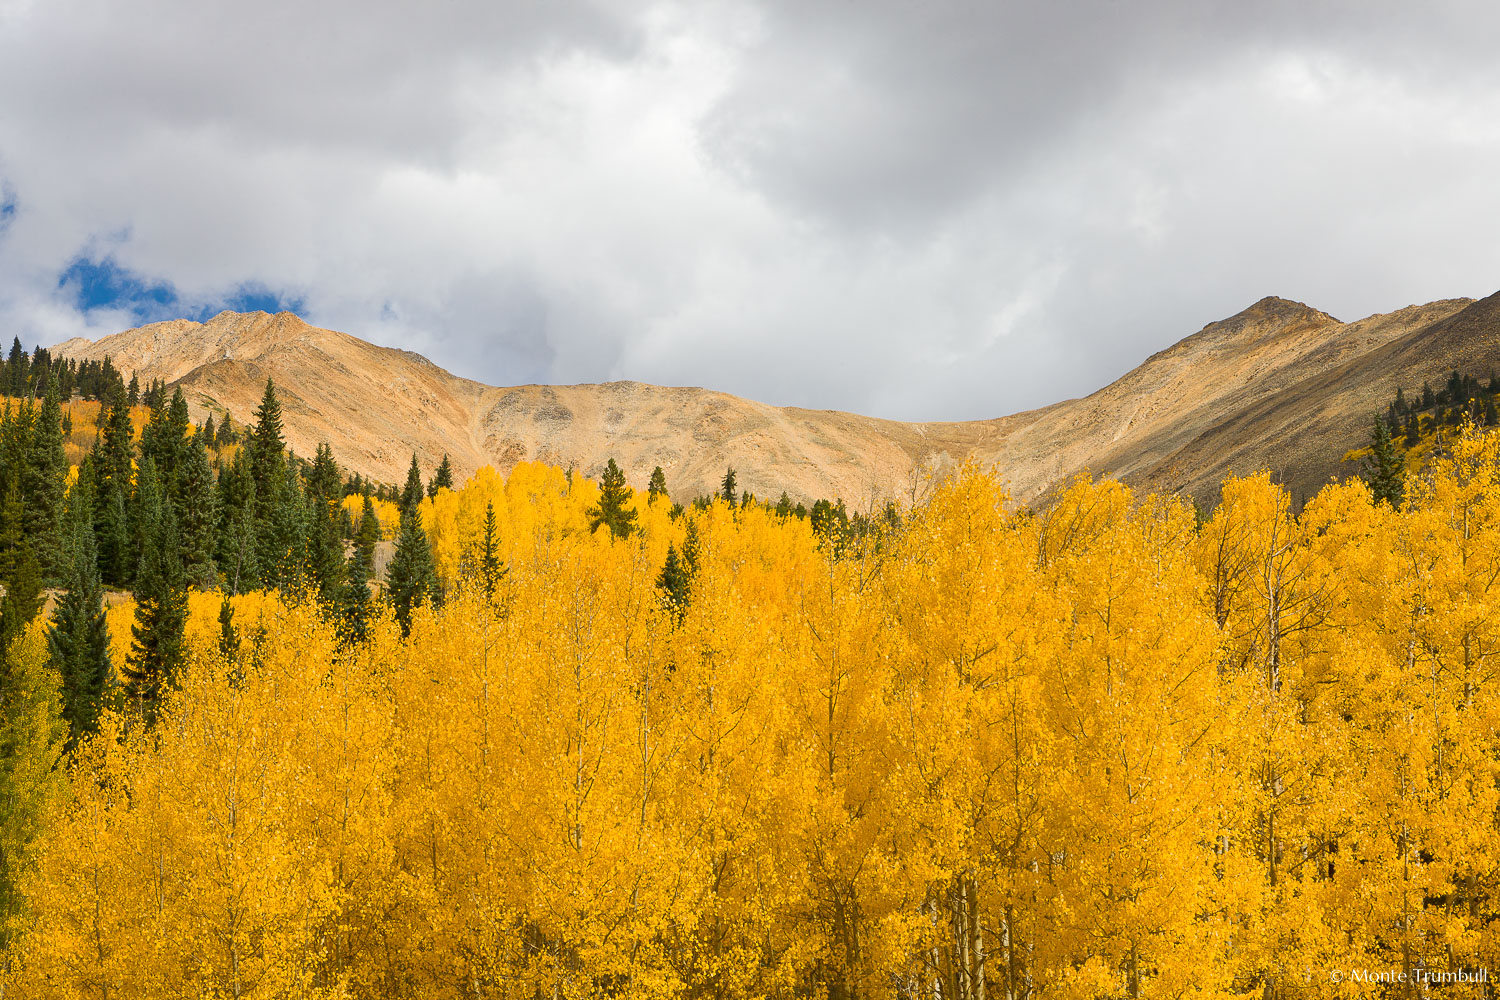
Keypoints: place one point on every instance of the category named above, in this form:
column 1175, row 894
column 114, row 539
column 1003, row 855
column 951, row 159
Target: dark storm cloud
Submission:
column 934, row 210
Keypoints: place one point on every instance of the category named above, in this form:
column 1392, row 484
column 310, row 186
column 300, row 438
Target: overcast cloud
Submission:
column 922, row 210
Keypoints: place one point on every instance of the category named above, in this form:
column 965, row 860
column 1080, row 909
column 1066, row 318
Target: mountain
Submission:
column 1279, row 385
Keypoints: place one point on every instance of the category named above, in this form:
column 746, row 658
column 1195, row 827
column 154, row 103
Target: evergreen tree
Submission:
column 784, row 506
column 1384, row 467
column 133, row 391
column 237, row 503
column 483, row 561
column 12, row 529
column 674, row 583
column 657, row 487
column 23, row 598
column 196, row 505
column 146, row 508
column 354, row 606
column 611, row 511
column 268, row 471
column 410, row 578
column 368, row 534
column 78, row 639
column 442, row 479
column 728, row 489
column 323, row 482
column 208, row 431
column 158, row 649
column 114, row 459
column 43, row 488
column 17, row 368
column 411, row 494
column 1413, row 430
column 325, row 551
column 282, row 541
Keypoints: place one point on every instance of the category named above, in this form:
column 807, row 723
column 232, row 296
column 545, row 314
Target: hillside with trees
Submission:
column 576, row 740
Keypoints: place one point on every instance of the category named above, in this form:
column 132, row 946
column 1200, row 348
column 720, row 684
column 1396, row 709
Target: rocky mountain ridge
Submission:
column 1279, row 385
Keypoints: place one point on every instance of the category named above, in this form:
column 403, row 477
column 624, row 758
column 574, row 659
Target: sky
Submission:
column 945, row 209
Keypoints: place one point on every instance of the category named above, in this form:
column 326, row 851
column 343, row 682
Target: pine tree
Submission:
column 1384, row 468
column 410, row 578
column 368, row 534
column 208, row 431
column 657, row 487
column 611, row 511
column 158, row 650
column 114, row 460
column 43, row 487
column 354, row 606
column 728, row 489
column 411, row 494
column 23, row 598
column 237, row 554
column 12, row 529
column 196, row 503
column 483, row 561
column 281, row 541
column 325, row 550
column 323, row 483
column 674, row 583
column 442, row 479
column 17, row 368
column 78, row 639
column 133, row 391
column 784, row 506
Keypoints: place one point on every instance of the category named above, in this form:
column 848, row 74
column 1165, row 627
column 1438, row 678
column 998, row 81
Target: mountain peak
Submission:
column 1274, row 307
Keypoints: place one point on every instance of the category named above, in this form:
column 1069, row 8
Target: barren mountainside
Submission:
column 1279, row 386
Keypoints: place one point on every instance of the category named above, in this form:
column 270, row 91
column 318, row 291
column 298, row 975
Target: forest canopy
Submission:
column 589, row 743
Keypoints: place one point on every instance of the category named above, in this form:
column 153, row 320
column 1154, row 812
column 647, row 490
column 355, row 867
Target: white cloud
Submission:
column 928, row 211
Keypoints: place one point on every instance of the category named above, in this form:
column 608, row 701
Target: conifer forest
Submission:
column 269, row 730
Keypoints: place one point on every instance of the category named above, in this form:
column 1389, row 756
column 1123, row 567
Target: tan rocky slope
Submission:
column 1279, row 386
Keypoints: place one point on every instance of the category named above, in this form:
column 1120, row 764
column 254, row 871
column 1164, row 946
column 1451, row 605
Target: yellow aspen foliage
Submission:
column 958, row 751
column 387, row 514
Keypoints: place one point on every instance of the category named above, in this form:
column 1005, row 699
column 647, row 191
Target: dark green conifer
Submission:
column 367, row 534
column 114, row 454
column 78, row 638
column 196, row 505
column 23, row 598
column 483, row 561
column 442, row 479
column 410, row 578
column 611, row 511
column 44, row 486
column 1384, row 467
column 158, row 649
column 674, row 583
column 728, row 490
column 411, row 494
column 657, row 487
column 354, row 606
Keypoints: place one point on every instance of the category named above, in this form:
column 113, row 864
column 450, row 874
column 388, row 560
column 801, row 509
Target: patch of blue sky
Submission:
column 103, row 283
